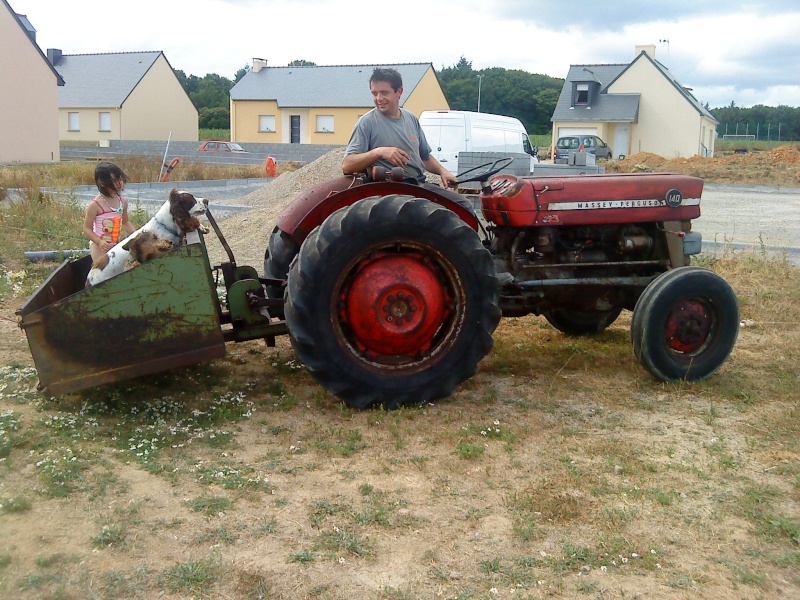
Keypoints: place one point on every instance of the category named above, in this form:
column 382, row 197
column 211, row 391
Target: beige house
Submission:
column 28, row 94
column 638, row 107
column 319, row 105
column 122, row 96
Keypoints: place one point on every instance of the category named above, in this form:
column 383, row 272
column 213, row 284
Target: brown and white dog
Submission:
column 145, row 246
column 172, row 221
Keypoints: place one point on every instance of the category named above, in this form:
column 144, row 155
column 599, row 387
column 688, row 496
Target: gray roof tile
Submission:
column 101, row 80
column 321, row 86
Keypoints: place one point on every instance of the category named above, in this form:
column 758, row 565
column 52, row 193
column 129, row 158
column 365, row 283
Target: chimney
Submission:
column 649, row 49
column 258, row 64
column 54, row 56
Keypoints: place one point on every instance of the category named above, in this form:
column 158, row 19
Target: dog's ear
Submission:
column 173, row 195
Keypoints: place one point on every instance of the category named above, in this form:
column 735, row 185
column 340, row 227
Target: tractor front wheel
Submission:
column 391, row 301
column 685, row 324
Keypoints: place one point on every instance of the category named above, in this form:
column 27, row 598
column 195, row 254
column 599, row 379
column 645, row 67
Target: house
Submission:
column 29, row 97
column 122, row 96
column 636, row 107
column 319, row 105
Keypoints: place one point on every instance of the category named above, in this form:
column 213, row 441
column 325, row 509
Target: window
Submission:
column 266, row 123
column 324, row 123
column 105, row 121
column 582, row 93
column 74, row 122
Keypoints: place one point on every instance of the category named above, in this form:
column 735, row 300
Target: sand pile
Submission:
column 248, row 234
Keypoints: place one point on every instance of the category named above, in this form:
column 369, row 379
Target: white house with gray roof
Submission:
column 122, row 96
column 319, row 104
column 635, row 107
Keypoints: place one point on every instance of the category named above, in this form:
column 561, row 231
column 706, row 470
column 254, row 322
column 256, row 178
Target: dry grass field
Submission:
column 562, row 470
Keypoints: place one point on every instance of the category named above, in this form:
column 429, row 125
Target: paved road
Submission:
column 736, row 215
column 742, row 216
column 222, row 194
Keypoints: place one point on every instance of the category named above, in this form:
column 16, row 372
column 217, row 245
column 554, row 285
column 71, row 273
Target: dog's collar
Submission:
column 174, row 232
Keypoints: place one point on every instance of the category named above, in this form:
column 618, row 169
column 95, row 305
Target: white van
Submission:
column 452, row 131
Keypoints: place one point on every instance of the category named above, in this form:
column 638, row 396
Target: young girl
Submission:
column 106, row 221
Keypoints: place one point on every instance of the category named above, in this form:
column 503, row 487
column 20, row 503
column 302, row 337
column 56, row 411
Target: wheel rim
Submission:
column 399, row 307
column 688, row 327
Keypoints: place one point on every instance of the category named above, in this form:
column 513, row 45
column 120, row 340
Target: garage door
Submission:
column 565, row 131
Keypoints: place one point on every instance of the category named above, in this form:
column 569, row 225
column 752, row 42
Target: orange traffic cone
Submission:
column 271, row 167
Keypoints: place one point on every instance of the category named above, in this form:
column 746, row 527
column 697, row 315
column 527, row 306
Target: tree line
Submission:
column 529, row 97
column 781, row 123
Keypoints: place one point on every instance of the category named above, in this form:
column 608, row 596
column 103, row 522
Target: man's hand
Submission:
column 448, row 179
column 396, row 156
column 356, row 163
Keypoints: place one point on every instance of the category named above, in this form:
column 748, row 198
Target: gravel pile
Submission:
column 248, row 233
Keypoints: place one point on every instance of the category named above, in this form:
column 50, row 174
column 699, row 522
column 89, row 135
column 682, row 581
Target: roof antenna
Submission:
column 666, row 41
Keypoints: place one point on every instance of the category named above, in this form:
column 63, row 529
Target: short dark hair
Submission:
column 389, row 75
column 104, row 176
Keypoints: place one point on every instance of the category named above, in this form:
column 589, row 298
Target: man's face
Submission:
column 386, row 99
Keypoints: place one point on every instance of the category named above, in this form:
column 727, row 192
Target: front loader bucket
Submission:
column 159, row 315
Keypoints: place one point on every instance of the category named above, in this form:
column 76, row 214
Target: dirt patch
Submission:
column 560, row 470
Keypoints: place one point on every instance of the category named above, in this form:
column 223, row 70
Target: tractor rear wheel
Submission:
column 578, row 322
column 391, row 301
column 685, row 324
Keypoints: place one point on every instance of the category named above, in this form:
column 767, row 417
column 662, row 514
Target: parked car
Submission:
column 213, row 146
column 591, row 144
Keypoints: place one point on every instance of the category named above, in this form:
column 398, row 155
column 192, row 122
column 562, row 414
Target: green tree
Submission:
column 528, row 97
column 215, row 117
column 241, row 73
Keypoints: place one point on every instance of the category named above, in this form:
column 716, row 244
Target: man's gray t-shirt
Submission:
column 375, row 129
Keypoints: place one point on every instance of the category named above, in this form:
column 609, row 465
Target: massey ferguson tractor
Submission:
column 390, row 292
column 394, row 290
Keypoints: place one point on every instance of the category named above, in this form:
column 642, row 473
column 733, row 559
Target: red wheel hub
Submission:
column 395, row 304
column 688, row 326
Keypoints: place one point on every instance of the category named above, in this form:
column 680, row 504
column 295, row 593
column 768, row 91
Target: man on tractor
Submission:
column 389, row 136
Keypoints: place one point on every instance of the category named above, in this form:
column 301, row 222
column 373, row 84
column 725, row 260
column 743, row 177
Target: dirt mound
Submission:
column 777, row 167
column 248, row 234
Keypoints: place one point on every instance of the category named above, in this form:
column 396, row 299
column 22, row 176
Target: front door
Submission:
column 295, row 129
column 621, row 140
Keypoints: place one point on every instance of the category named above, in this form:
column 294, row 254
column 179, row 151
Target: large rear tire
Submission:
column 392, row 301
column 685, row 324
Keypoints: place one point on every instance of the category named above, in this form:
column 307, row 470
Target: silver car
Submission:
column 591, row 144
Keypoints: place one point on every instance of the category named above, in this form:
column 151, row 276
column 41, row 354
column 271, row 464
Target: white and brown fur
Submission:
column 176, row 217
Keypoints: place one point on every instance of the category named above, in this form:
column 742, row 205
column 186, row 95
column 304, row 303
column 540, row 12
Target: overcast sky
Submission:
column 725, row 50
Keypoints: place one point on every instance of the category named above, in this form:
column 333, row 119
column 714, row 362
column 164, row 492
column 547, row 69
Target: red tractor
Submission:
column 393, row 290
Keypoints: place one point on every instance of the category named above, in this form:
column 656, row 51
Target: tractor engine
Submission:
column 571, row 244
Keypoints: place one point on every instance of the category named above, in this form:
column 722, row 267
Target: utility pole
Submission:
column 480, row 80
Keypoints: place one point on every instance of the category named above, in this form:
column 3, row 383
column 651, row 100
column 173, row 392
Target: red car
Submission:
column 221, row 147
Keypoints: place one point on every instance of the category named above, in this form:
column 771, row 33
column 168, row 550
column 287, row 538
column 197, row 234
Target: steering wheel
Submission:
column 485, row 170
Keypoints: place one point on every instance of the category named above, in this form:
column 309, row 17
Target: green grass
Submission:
column 195, row 576
column 210, row 506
